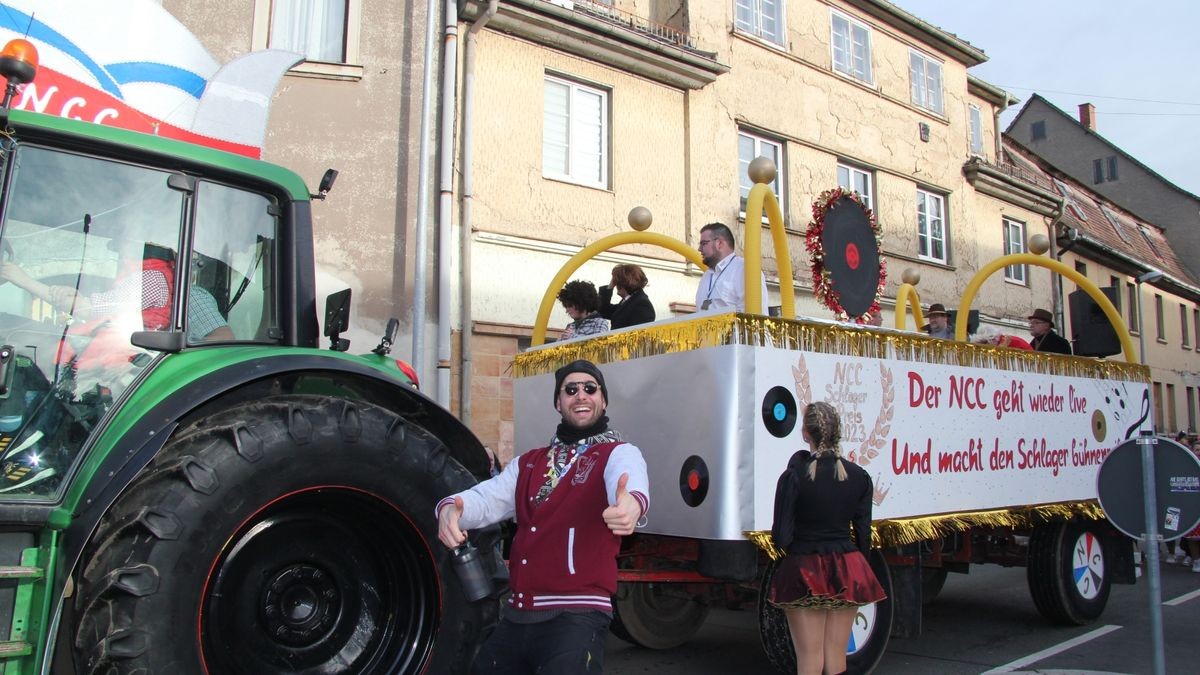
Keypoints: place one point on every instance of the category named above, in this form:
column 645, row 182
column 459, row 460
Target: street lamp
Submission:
column 1149, row 497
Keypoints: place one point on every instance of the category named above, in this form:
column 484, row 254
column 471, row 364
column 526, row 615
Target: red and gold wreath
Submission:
column 822, row 282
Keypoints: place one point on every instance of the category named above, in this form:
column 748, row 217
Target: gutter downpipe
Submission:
column 464, row 219
column 445, row 198
column 420, row 258
column 1055, row 253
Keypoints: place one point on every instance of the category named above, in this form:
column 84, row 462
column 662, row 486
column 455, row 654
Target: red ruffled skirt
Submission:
column 824, row 581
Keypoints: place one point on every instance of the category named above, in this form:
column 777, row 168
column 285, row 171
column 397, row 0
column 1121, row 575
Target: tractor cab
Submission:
column 106, row 265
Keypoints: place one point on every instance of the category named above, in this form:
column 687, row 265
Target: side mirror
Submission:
column 337, row 319
column 326, row 184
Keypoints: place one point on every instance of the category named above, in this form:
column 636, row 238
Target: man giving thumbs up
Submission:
column 572, row 501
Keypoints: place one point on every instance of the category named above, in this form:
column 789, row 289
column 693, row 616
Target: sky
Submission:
column 1138, row 63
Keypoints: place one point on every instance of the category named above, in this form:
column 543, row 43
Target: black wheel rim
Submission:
column 322, row 581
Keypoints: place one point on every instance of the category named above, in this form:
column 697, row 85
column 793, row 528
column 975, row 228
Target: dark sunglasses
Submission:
column 589, row 388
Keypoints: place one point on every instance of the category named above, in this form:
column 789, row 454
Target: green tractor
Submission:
column 189, row 483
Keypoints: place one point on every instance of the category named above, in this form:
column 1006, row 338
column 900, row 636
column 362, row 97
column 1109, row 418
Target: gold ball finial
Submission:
column 640, row 218
column 762, row 170
column 1039, row 244
column 910, row 276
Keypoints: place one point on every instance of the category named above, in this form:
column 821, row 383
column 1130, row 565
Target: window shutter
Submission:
column 555, row 129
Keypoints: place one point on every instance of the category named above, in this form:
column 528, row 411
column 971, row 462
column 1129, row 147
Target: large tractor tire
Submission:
column 1066, row 572
column 293, row 535
column 868, row 637
column 656, row 616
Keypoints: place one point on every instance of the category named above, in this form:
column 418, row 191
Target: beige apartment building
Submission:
column 566, row 115
column 859, row 94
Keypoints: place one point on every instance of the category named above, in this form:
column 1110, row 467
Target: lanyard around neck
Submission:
column 712, row 281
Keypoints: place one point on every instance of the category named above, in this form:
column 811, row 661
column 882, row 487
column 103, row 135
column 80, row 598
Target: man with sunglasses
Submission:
column 723, row 286
column 573, row 501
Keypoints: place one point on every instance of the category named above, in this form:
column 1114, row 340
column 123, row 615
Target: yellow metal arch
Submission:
column 761, row 195
column 592, row 250
column 960, row 329
column 907, row 295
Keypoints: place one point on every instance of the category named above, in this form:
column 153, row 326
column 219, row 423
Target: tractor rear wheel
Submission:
column 293, row 535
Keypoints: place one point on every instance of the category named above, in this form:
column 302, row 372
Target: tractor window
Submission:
column 87, row 257
column 231, row 284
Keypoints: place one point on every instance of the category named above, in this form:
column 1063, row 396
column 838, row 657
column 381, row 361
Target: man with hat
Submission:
column 939, row 322
column 573, row 501
column 1041, row 326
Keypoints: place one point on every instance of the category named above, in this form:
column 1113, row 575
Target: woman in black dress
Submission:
column 634, row 307
column 825, row 576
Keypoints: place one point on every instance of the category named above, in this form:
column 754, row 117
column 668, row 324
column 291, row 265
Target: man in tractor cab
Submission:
column 151, row 290
column 94, row 348
column 573, row 501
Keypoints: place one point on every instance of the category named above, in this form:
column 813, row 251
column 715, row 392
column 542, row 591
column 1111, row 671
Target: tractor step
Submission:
column 15, row 648
column 20, row 572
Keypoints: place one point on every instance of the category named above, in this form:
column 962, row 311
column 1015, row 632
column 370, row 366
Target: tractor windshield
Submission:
column 87, row 258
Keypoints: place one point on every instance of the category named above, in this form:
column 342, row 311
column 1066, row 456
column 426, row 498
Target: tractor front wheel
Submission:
column 294, row 535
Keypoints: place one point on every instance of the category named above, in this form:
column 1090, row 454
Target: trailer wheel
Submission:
column 294, row 535
column 656, row 616
column 868, row 638
column 1066, row 572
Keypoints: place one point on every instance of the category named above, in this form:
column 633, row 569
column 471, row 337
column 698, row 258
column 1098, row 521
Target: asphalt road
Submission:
column 982, row 622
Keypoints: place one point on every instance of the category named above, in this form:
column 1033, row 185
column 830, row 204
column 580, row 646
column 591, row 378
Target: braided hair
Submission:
column 824, row 428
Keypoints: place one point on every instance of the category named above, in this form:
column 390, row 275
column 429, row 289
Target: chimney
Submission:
column 1087, row 116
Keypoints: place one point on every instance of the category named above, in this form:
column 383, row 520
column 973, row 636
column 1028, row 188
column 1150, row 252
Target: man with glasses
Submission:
column 723, row 286
column 573, row 501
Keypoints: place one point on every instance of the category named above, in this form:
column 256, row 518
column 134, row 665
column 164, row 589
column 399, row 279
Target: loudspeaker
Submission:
column 1092, row 334
column 972, row 321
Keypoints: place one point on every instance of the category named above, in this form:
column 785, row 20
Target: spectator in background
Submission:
column 634, row 307
column 1041, row 327
column 582, row 304
column 1191, row 541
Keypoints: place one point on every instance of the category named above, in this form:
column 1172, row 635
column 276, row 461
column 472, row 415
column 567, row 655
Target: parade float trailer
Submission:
column 978, row 454
column 172, row 502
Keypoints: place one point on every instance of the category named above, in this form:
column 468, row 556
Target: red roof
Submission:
column 1099, row 219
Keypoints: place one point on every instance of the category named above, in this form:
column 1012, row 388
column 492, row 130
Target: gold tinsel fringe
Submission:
column 806, row 336
column 902, row 531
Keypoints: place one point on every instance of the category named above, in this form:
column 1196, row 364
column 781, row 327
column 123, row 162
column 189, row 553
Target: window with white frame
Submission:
column 926, row 78
column 857, row 180
column 575, row 133
column 1014, row 242
column 751, row 146
column 763, row 18
column 931, row 226
column 976, row 130
column 851, row 47
column 326, row 31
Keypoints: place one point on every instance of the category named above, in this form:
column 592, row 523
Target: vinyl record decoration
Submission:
column 779, row 412
column 845, row 245
column 693, row 481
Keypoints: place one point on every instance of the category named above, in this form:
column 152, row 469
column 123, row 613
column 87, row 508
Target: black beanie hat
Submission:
column 580, row 366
